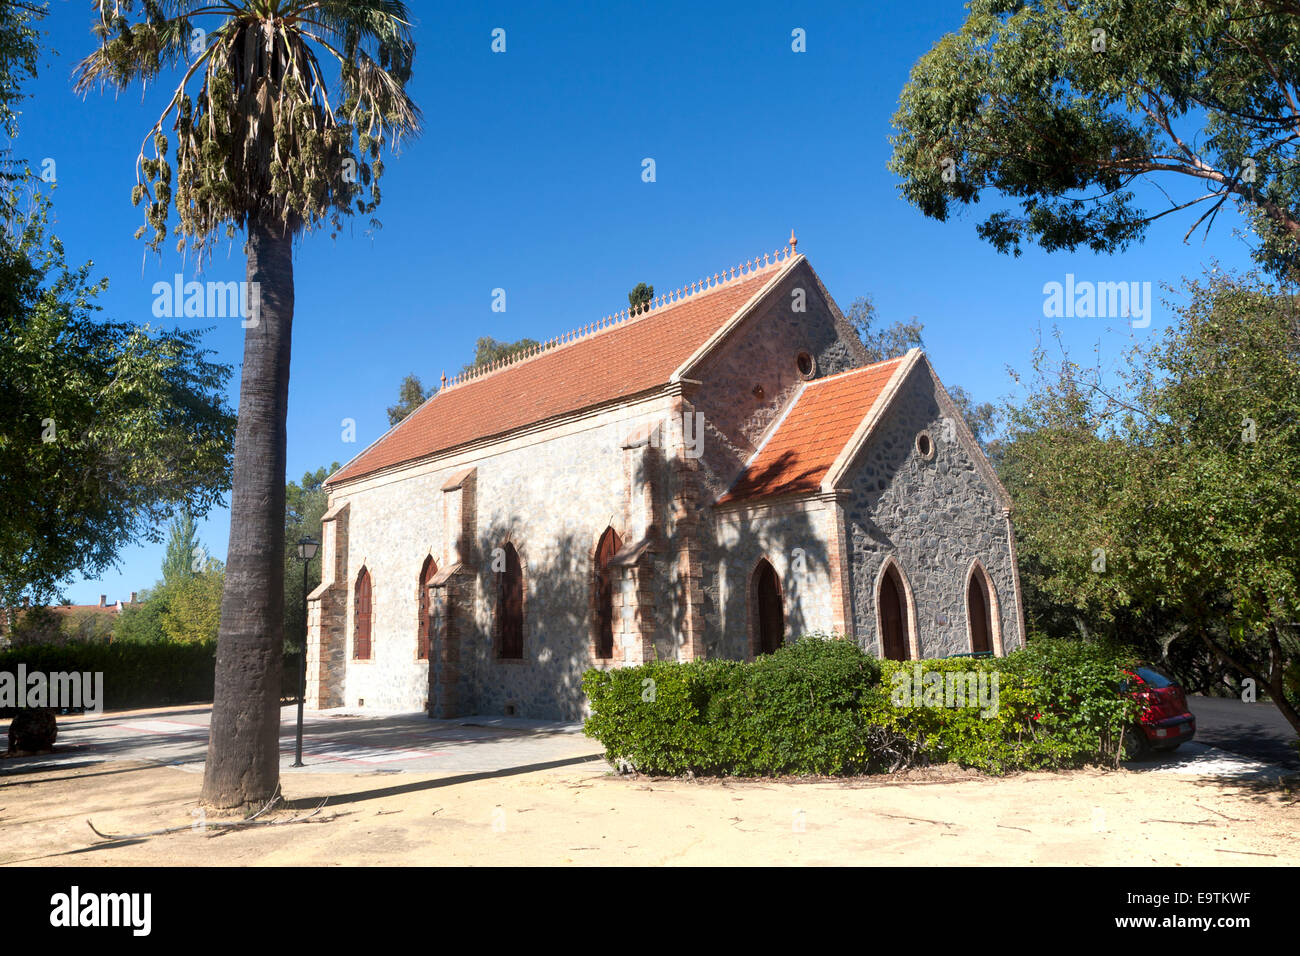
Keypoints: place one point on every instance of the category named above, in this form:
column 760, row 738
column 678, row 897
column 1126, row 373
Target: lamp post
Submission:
column 307, row 546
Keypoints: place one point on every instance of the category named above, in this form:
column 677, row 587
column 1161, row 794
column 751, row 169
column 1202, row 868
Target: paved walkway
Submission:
column 334, row 741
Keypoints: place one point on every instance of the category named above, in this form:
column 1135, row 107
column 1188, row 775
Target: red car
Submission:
column 1165, row 721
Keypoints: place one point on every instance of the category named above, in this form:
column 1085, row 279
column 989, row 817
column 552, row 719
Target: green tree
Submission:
column 106, row 430
column 1065, row 108
column 488, row 350
column 306, row 505
column 143, row 622
column 261, row 145
column 19, row 50
column 193, row 605
column 36, row 625
column 886, row 343
column 1170, row 485
column 183, row 550
column 411, row 394
column 639, row 298
column 88, row 627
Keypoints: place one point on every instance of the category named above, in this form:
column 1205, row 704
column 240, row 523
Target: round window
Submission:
column 806, row 364
column 925, row 445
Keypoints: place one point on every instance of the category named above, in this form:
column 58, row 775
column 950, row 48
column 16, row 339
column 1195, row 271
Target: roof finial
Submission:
column 793, row 242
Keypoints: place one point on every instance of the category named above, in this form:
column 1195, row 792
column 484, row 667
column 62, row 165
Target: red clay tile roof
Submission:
column 616, row 362
column 796, row 457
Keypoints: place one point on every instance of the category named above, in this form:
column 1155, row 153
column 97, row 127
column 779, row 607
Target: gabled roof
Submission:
column 813, row 446
column 819, row 424
column 617, row 360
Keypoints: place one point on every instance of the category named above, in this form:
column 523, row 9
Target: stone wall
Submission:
column 795, row 537
column 751, row 376
column 327, row 610
column 551, row 494
column 935, row 518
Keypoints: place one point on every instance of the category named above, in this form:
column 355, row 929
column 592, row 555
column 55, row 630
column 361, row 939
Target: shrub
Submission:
column 797, row 711
column 135, row 674
column 32, row 731
column 826, row 707
column 1058, row 705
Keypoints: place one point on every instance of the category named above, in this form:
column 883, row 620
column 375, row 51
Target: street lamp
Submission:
column 307, row 546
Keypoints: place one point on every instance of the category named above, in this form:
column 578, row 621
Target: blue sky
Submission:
column 528, row 178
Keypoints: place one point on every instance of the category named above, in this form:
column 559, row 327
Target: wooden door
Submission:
column 361, row 639
column 510, row 605
column 427, row 573
column 608, row 547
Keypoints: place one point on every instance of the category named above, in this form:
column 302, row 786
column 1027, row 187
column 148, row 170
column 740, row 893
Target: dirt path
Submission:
column 584, row 815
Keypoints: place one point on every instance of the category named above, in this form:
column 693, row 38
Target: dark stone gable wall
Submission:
column 933, row 517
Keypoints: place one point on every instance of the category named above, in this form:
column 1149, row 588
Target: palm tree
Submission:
column 260, row 147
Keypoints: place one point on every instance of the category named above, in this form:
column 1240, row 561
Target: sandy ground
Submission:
column 583, row 814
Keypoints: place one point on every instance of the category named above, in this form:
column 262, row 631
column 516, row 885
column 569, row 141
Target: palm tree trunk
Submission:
column 243, row 765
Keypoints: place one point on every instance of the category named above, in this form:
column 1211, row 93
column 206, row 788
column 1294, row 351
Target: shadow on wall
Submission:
column 731, row 549
column 546, row 683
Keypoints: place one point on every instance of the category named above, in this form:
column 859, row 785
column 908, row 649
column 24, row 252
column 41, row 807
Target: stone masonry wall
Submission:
column 794, row 537
column 551, row 494
column 934, row 517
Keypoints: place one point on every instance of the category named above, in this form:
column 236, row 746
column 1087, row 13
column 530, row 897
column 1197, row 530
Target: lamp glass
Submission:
column 307, row 548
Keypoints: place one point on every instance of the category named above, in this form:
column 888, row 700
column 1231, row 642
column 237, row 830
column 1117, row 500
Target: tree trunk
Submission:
column 243, row 765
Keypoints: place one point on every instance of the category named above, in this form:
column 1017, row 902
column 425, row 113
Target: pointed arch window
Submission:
column 604, row 593
column 510, row 607
column 979, row 611
column 361, row 644
column 770, row 612
column 427, row 573
column 892, row 600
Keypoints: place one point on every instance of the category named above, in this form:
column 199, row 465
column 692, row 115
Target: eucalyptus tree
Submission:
column 252, row 138
column 1065, row 108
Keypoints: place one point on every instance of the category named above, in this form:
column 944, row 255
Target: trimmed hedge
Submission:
column 824, row 706
column 135, row 674
column 139, row 673
column 797, row 711
column 1058, row 705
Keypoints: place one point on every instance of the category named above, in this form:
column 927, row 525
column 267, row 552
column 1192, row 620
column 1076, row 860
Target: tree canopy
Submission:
column 411, row 394
column 106, row 429
column 640, row 297
column 488, row 350
column 296, row 158
column 1170, row 484
column 1065, row 108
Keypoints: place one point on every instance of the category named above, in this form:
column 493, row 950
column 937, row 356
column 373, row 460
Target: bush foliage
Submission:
column 135, row 674
column 824, row 706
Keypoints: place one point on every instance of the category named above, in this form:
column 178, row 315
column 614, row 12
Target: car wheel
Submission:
column 1134, row 745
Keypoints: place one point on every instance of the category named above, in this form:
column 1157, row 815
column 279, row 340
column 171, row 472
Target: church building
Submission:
column 713, row 476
